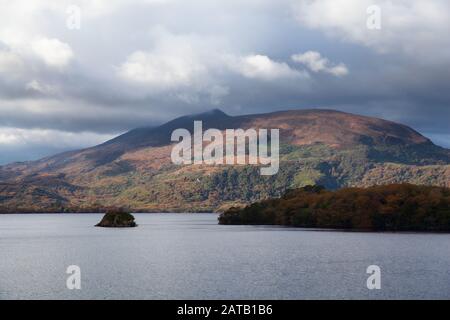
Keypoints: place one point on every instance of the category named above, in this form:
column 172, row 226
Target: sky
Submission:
column 77, row 73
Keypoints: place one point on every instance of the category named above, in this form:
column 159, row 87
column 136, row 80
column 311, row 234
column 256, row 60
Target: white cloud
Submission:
column 96, row 8
column 314, row 61
column 52, row 51
column 175, row 61
column 415, row 27
column 91, row 9
column 262, row 67
column 163, row 71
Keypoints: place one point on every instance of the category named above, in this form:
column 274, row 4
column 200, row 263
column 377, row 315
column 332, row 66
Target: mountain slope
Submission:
column 326, row 147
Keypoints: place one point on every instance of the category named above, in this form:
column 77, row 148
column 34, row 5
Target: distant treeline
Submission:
column 62, row 209
column 396, row 207
column 53, row 209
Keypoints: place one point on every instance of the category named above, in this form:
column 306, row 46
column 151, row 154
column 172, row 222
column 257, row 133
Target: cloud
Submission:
column 198, row 70
column 183, row 64
column 41, row 88
column 263, row 68
column 140, row 63
column 415, row 27
column 316, row 63
column 188, row 60
column 10, row 63
column 163, row 71
column 53, row 52
column 72, row 115
column 22, row 137
column 29, row 144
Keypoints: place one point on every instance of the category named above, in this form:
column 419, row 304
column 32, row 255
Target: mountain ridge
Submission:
column 180, row 122
column 317, row 146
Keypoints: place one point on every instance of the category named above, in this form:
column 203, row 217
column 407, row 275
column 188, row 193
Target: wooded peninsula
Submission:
column 396, row 207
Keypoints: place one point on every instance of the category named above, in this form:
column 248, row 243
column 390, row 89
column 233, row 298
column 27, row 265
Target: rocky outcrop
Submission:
column 117, row 218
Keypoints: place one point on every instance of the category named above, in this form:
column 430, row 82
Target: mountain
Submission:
column 331, row 148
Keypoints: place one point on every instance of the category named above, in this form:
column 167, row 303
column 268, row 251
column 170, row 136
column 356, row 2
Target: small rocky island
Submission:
column 117, row 218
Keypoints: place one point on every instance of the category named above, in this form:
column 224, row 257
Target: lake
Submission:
column 190, row 256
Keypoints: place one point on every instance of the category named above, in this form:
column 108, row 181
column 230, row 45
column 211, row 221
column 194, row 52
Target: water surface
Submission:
column 189, row 256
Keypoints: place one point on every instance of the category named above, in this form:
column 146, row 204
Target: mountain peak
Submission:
column 209, row 114
column 215, row 112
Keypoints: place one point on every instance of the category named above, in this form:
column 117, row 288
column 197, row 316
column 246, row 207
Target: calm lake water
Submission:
column 189, row 256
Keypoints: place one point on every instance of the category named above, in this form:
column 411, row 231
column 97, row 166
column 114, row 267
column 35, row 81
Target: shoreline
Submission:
column 261, row 226
column 103, row 212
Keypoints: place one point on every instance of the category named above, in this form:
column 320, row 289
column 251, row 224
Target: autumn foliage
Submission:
column 396, row 207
